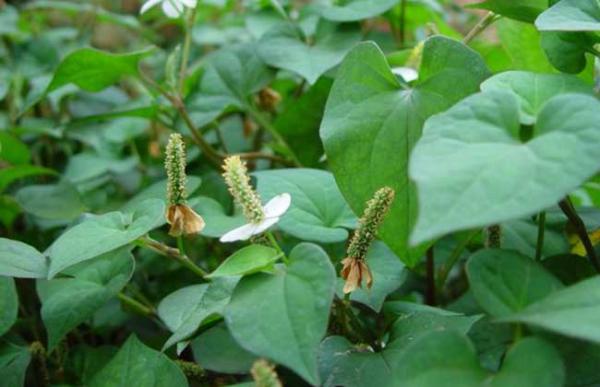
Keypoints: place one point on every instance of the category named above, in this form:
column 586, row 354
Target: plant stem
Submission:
column 171, row 252
column 493, row 237
column 135, row 305
column 540, row 236
column 38, row 352
column 444, row 271
column 430, row 296
column 264, row 122
column 275, row 245
column 567, row 208
column 484, row 23
column 185, row 55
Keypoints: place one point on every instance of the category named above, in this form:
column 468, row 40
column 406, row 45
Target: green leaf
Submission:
column 286, row 47
column 230, row 77
column 12, row 150
column 284, row 316
column 534, row 90
column 569, row 268
column 570, row 15
column 371, row 124
column 474, row 139
column 137, row 365
column 248, row 260
column 523, row 10
column 566, row 50
column 521, row 235
column 504, row 282
column 104, row 233
column 388, row 275
column 11, row 174
column 318, row 211
column 14, row 361
column 94, row 70
column 522, row 44
column 53, row 201
column 67, row 302
column 354, row 10
column 186, row 309
column 573, row 311
column 20, row 260
column 217, row 351
column 9, row 304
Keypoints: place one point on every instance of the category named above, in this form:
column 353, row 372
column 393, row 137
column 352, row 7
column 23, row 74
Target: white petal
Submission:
column 407, row 73
column 148, row 4
column 172, row 8
column 189, row 3
column 265, row 224
column 278, row 205
column 239, row 234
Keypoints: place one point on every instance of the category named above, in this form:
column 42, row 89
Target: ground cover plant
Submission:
column 300, row 193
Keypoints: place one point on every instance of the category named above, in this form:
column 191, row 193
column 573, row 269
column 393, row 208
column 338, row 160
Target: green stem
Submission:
column 453, row 258
column 567, row 208
column 275, row 245
column 185, row 55
column 266, row 124
column 430, row 294
column 357, row 326
column 170, row 252
column 135, row 305
column 484, row 23
column 540, row 236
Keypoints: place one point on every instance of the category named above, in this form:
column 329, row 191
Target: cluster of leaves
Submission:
column 484, row 271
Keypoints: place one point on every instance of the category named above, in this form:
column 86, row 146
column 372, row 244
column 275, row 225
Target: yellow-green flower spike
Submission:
column 175, row 166
column 238, row 181
column 370, row 221
column 264, row 374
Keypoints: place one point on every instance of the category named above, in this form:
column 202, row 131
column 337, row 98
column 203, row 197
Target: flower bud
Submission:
column 238, row 181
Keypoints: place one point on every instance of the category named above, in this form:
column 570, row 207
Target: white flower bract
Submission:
column 274, row 209
column 171, row 8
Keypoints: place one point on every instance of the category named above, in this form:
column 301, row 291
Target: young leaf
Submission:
column 247, row 260
column 104, row 233
column 475, row 138
column 285, row 47
column 372, row 122
column 20, row 260
column 9, row 304
column 504, row 282
column 136, row 364
column 318, row 211
column 573, row 311
column 288, row 312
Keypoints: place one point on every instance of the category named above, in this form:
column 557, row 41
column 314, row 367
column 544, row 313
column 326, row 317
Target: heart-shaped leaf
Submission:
column 53, row 201
column 247, row 260
column 372, row 122
column 318, row 211
column 522, row 10
column 504, row 282
column 9, row 304
column 478, row 143
column 286, row 47
column 104, row 233
column 67, row 302
column 355, row 10
column 289, row 311
column 137, row 365
column 572, row 311
column 570, row 15
column 20, row 260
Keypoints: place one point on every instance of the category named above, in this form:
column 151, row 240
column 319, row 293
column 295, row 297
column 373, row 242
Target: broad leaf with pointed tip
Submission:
column 471, row 168
column 504, row 282
column 286, row 47
column 283, row 316
column 247, row 260
column 20, row 260
column 572, row 311
column 67, row 302
column 138, row 365
column 51, row 201
column 355, row 10
column 14, row 360
column 522, row 10
column 318, row 211
column 570, row 15
column 9, row 304
column 103, row 233
column 371, row 124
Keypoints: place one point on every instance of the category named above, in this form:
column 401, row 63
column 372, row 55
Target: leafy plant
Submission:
column 283, row 192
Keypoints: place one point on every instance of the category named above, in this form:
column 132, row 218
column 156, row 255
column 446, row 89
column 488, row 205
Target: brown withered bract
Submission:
column 354, row 271
column 183, row 220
